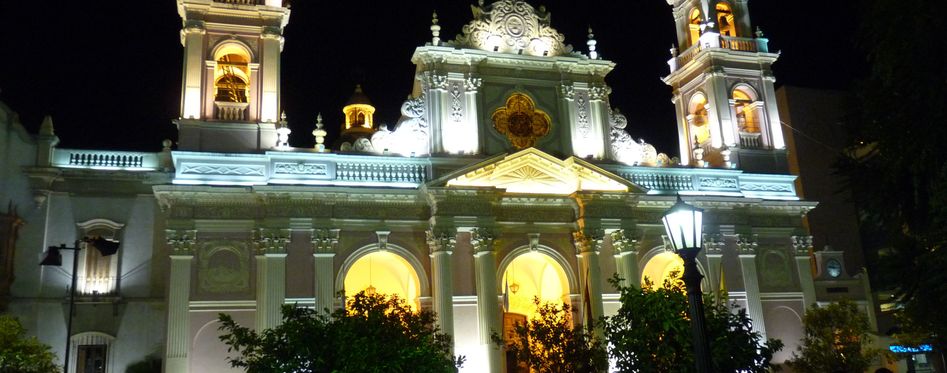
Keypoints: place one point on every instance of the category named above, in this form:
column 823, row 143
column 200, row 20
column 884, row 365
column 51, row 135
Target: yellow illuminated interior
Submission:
column 359, row 116
column 745, row 110
column 725, row 20
column 694, row 26
column 660, row 268
column 698, row 119
column 386, row 273
column 534, row 275
column 232, row 75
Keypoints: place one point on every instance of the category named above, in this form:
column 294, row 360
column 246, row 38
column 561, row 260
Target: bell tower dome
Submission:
column 359, row 122
column 230, row 94
column 723, row 88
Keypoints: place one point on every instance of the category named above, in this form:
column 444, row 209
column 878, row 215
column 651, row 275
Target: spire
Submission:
column 46, row 129
column 435, row 31
column 282, row 133
column 592, row 43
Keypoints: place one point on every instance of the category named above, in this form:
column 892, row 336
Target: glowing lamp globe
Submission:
column 683, row 224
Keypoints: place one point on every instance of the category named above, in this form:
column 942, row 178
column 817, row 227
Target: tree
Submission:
column 836, row 340
column 550, row 343
column 22, row 354
column 651, row 332
column 374, row 333
column 895, row 164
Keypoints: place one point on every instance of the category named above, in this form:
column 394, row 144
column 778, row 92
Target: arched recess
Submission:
column 92, row 349
column 392, row 271
column 98, row 275
column 694, row 19
column 748, row 111
column 209, row 353
column 232, row 74
column 784, row 324
column 697, row 118
column 726, row 22
column 659, row 263
column 541, row 272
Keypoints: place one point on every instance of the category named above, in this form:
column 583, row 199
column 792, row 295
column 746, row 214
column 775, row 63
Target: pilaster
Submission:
column 802, row 247
column 487, row 292
column 746, row 246
column 625, row 245
column 588, row 245
column 270, row 276
column 441, row 242
column 181, row 244
column 325, row 242
column 713, row 249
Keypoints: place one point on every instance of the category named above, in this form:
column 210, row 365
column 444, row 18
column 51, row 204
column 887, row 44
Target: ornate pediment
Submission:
column 512, row 26
column 532, row 171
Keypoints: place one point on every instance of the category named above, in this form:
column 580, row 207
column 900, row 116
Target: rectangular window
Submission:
column 91, row 358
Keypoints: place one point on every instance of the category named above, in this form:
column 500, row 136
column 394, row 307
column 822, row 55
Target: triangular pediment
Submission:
column 532, row 171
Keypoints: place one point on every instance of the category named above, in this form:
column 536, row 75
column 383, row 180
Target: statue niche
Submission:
column 521, row 122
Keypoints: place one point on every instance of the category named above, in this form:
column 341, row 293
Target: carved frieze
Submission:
column 271, row 241
column 588, row 240
column 224, row 267
column 181, row 242
column 624, row 241
column 512, row 26
column 483, row 240
column 307, row 169
column 441, row 240
column 456, row 96
column 325, row 241
column 802, row 245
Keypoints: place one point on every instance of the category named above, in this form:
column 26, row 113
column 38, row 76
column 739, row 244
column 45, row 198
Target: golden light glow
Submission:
column 660, row 268
column 743, row 105
column 725, row 20
column 232, row 75
column 700, row 131
column 521, row 122
column 359, row 116
column 536, row 275
column 385, row 273
column 694, row 26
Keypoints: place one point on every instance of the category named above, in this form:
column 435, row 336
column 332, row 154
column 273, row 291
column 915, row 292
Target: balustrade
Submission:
column 231, row 111
column 751, row 140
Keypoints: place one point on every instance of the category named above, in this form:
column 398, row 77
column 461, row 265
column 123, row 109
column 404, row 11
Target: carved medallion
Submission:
column 521, row 122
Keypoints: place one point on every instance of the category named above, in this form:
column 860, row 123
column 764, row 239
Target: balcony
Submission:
column 749, row 45
column 751, row 140
column 231, row 111
column 97, row 159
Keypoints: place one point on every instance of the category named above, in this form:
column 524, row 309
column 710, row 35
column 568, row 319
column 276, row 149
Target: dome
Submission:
column 358, row 97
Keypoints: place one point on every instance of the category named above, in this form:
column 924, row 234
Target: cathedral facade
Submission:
column 509, row 176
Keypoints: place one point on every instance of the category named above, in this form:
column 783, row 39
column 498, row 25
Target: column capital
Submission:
column 482, row 240
column 271, row 241
column 714, row 243
column 747, row 244
column 181, row 242
column 624, row 241
column 802, row 245
column 588, row 240
column 441, row 240
column 325, row 240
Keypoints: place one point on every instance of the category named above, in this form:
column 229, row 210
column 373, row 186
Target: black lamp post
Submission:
column 53, row 257
column 684, row 224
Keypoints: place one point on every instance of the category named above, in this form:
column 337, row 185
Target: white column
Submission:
column 626, row 258
column 272, row 41
column 754, row 305
column 802, row 245
column 270, row 276
column 713, row 249
column 487, row 292
column 587, row 244
column 442, row 245
column 179, row 291
column 193, row 41
column 325, row 242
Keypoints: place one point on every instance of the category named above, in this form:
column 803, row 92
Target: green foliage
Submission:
column 895, row 165
column 550, row 343
column 651, row 332
column 836, row 340
column 374, row 333
column 22, row 354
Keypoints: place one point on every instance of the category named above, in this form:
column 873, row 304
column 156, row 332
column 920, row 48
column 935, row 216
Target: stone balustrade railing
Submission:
column 103, row 159
column 751, row 140
column 752, row 45
column 231, row 111
column 698, row 181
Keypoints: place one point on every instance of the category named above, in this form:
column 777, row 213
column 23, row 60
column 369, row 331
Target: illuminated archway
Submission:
column 533, row 274
column 661, row 267
column 384, row 272
column 694, row 20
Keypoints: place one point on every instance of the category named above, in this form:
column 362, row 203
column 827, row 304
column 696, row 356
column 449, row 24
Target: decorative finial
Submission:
column 759, row 32
column 282, row 116
column 592, row 43
column 46, row 129
column 320, row 134
column 282, row 133
column 435, row 31
column 673, row 50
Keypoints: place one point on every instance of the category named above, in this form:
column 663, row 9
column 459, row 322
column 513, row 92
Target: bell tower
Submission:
column 723, row 88
column 230, row 94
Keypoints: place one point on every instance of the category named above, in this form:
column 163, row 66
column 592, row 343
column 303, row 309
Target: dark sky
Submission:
column 109, row 71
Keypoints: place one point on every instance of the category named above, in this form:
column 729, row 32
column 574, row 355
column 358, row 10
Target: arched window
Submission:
column 725, row 20
column 98, row 275
column 533, row 275
column 384, row 272
column 232, row 76
column 91, row 352
column 748, row 110
column 697, row 118
column 693, row 26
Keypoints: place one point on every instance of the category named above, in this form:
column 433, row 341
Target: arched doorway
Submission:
column 661, row 267
column 529, row 275
column 384, row 272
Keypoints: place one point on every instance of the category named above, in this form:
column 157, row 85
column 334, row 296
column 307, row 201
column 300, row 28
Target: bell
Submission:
column 52, row 257
column 104, row 246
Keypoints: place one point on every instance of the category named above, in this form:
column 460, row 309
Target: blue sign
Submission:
column 899, row 349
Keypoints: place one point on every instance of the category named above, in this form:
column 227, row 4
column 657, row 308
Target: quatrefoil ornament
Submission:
column 521, row 122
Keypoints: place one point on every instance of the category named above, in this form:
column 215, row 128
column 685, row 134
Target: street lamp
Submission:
column 683, row 224
column 53, row 257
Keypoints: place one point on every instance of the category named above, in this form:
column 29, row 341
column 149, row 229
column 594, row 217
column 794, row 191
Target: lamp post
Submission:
column 53, row 257
column 683, row 224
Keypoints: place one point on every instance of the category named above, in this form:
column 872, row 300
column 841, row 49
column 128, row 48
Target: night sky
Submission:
column 109, row 72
